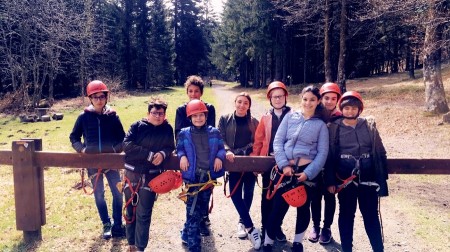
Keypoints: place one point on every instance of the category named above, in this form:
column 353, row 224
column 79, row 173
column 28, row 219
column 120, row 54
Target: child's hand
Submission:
column 217, row 164
column 157, row 159
column 332, row 189
column 184, row 163
column 230, row 156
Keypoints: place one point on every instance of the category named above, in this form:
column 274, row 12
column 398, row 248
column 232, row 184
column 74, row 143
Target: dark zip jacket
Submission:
column 102, row 133
column 143, row 138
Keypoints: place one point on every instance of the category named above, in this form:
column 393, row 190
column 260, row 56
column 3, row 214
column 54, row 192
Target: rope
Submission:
column 90, row 177
column 133, row 200
column 235, row 187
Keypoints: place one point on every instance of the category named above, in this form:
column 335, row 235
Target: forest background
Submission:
column 51, row 49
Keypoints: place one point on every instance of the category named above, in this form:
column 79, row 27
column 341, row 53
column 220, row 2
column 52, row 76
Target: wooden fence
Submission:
column 28, row 162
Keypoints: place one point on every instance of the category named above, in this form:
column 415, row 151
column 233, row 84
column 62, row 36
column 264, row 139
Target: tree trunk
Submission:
column 435, row 100
column 341, row 78
column 410, row 61
column 327, row 43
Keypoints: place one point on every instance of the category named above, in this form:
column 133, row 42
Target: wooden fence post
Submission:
column 28, row 189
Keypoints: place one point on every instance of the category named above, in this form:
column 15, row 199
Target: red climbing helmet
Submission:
column 330, row 87
column 165, row 182
column 194, row 107
column 274, row 85
column 96, row 86
column 348, row 95
column 296, row 197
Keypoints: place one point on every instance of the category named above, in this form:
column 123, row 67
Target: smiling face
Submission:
column 242, row 105
column 194, row 92
column 329, row 100
column 350, row 112
column 309, row 103
column 198, row 119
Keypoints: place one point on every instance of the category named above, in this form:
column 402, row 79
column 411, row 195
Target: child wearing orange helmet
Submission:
column 201, row 152
column 277, row 94
column 356, row 170
column 102, row 132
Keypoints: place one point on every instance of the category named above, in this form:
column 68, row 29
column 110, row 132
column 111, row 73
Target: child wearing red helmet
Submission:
column 201, row 152
column 102, row 132
column 356, row 170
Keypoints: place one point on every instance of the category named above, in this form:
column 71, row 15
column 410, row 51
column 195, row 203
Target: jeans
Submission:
column 243, row 196
column 138, row 231
column 113, row 177
column 316, row 205
column 367, row 198
column 194, row 214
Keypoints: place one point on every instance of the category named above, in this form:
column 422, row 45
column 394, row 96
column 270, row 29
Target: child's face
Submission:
column 277, row 97
column 329, row 100
column 194, row 92
column 350, row 111
column 98, row 100
column 156, row 116
column 199, row 119
column 309, row 103
column 242, row 104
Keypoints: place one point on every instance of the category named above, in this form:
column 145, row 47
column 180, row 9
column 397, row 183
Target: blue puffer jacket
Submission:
column 298, row 137
column 185, row 147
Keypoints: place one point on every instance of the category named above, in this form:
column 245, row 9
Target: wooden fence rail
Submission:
column 28, row 161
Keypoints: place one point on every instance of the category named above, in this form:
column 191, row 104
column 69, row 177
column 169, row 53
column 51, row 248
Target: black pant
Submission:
column 267, row 205
column 367, row 198
column 279, row 210
column 316, row 205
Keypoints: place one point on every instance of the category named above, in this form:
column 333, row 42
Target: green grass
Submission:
column 71, row 215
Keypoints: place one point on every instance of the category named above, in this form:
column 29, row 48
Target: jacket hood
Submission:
column 107, row 110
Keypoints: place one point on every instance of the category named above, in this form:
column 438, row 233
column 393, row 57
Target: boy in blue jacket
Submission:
column 201, row 152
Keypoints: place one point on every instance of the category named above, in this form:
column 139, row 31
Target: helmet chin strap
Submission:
column 352, row 117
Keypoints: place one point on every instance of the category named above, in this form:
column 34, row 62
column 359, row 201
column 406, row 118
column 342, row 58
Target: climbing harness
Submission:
column 133, row 200
column 208, row 185
column 227, row 178
column 94, row 186
column 355, row 173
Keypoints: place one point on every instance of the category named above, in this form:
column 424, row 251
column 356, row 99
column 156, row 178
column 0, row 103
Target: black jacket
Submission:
column 143, row 138
column 102, row 133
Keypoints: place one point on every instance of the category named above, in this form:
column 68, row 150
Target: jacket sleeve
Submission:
column 133, row 151
column 329, row 172
column 223, row 131
column 75, row 135
column 181, row 151
column 211, row 115
column 260, row 135
column 278, row 143
column 180, row 117
column 220, row 148
column 169, row 143
column 120, row 135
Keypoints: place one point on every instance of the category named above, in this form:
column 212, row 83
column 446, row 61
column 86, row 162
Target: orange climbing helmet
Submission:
column 195, row 106
column 296, row 197
column 96, row 86
column 351, row 95
column 330, row 87
column 165, row 182
column 274, row 85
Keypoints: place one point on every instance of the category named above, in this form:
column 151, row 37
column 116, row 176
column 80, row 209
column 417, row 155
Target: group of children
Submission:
column 323, row 149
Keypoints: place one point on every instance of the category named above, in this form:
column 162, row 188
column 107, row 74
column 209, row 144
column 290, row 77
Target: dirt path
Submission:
column 399, row 230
